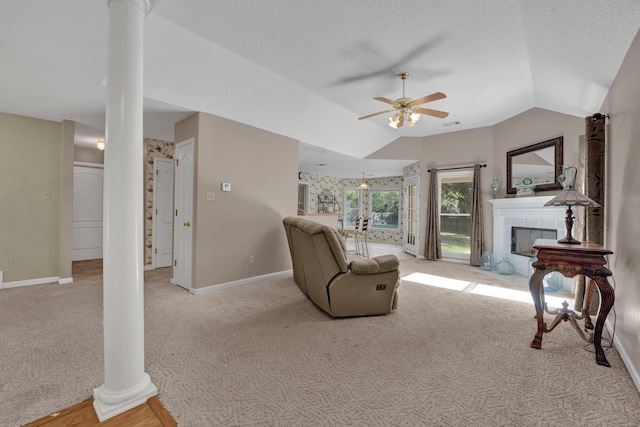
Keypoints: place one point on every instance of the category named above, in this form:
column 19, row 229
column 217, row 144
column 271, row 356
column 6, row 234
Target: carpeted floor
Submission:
column 263, row 355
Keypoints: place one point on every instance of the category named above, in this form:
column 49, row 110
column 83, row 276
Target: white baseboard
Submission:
column 40, row 281
column 65, row 280
column 207, row 289
column 149, row 267
column 624, row 356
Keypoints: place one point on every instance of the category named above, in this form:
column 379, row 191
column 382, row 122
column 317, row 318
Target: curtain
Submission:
column 477, row 226
column 432, row 246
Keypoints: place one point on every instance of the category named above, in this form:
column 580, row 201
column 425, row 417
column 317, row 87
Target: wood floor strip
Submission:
column 150, row 414
column 161, row 412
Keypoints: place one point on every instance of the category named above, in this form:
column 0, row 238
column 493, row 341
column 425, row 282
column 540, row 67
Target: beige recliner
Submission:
column 339, row 283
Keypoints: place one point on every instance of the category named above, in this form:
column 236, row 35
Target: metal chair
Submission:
column 353, row 234
column 361, row 237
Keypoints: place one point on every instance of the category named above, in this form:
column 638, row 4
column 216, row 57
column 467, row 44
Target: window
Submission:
column 455, row 190
column 352, row 207
column 384, row 208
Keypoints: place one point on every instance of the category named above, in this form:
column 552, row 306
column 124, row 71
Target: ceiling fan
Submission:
column 407, row 109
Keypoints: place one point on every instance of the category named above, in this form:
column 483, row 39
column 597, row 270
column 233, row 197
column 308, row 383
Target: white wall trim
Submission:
column 207, row 289
column 65, row 280
column 40, row 281
column 149, row 267
column 628, row 363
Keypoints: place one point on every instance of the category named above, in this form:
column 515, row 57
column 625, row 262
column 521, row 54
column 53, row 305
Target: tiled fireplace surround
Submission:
column 527, row 212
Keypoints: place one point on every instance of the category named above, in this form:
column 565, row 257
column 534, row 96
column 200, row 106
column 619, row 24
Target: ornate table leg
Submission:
column 607, row 297
column 536, row 289
column 590, row 287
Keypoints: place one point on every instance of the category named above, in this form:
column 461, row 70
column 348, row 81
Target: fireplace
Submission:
column 524, row 213
column 523, row 238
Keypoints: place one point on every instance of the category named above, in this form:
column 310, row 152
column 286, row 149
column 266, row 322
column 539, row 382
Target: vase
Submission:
column 505, row 267
column 567, row 178
column 495, row 186
column 486, row 261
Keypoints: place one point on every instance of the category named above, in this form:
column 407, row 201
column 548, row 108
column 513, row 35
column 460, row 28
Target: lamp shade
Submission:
column 572, row 197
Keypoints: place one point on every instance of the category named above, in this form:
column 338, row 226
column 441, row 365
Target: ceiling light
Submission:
column 101, row 144
column 394, row 119
column 413, row 118
column 363, row 184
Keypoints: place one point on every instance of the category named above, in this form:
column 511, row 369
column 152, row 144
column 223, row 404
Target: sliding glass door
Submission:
column 455, row 194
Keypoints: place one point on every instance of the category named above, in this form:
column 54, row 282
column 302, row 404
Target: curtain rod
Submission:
column 452, row 169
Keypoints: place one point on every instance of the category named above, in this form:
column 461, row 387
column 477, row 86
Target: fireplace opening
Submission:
column 523, row 238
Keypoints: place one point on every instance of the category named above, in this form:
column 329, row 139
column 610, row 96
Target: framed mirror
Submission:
column 538, row 164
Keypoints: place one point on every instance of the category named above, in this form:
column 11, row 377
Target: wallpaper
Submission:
column 411, row 170
column 334, row 187
column 153, row 148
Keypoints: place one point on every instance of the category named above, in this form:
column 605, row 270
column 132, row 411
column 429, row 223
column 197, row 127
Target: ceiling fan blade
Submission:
column 429, row 98
column 401, row 120
column 387, row 100
column 374, row 114
column 428, row 112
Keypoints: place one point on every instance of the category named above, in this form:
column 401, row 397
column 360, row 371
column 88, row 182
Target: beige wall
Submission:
column 88, row 155
column 262, row 168
column 485, row 145
column 30, row 164
column 533, row 126
column 622, row 228
column 448, row 150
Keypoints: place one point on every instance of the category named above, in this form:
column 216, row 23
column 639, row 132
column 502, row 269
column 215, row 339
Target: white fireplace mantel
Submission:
column 523, row 212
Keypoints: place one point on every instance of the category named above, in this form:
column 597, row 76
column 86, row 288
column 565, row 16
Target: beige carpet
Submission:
column 263, row 355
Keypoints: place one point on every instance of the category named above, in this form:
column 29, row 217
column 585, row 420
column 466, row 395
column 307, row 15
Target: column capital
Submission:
column 144, row 5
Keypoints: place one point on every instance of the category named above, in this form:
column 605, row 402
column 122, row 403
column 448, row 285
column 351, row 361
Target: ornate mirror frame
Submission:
column 557, row 143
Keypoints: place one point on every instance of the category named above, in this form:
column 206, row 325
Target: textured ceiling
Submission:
column 308, row 69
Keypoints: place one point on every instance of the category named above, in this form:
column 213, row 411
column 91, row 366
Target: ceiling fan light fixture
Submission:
column 394, row 119
column 408, row 109
column 414, row 118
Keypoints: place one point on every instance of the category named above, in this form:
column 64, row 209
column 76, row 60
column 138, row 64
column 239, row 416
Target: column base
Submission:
column 108, row 404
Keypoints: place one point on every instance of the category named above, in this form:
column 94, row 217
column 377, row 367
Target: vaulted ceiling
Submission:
column 308, row 69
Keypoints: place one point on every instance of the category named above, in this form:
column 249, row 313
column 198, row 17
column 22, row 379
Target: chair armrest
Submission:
column 375, row 265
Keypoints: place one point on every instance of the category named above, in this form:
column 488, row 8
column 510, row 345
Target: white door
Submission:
column 183, row 215
column 410, row 214
column 162, row 253
column 87, row 211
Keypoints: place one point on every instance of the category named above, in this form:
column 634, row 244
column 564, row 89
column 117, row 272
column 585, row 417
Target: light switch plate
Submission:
column 211, row 195
column 226, row 186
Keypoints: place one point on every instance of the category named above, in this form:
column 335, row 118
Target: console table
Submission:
column 587, row 259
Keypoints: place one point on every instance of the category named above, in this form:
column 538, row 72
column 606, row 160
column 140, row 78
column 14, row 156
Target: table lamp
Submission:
column 569, row 197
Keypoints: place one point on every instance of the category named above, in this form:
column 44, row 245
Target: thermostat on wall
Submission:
column 226, row 186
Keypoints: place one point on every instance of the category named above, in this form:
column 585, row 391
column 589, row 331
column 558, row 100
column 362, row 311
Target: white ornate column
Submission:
column 126, row 383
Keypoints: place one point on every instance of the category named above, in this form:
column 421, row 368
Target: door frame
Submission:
column 414, row 179
column 154, row 226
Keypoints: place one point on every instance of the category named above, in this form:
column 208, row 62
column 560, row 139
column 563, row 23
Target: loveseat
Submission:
column 340, row 283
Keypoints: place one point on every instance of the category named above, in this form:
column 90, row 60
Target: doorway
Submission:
column 162, row 234
column 455, row 198
column 87, row 211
